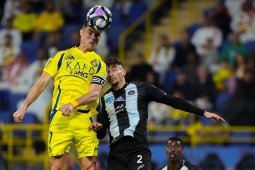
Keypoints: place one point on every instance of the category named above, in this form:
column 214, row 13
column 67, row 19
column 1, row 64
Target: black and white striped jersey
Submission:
column 125, row 111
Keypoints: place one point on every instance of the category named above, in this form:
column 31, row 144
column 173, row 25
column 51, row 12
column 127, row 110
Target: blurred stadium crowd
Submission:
column 211, row 65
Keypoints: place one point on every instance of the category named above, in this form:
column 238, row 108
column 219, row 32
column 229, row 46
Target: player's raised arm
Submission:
column 181, row 104
column 87, row 98
column 158, row 95
column 33, row 94
column 92, row 95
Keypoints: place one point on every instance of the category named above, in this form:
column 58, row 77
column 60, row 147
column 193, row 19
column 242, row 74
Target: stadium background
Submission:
column 138, row 28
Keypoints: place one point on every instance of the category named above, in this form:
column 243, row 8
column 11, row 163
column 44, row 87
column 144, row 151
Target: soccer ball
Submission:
column 99, row 18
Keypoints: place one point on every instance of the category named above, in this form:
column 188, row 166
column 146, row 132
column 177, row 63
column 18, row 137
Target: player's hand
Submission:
column 214, row 116
column 95, row 126
column 19, row 115
column 66, row 109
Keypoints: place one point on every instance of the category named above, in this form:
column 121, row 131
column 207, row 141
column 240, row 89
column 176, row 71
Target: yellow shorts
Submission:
column 65, row 131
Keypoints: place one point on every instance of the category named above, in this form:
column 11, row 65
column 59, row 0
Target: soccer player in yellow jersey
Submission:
column 79, row 75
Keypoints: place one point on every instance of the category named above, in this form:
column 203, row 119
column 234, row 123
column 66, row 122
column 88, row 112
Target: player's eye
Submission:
column 174, row 147
column 90, row 32
column 98, row 35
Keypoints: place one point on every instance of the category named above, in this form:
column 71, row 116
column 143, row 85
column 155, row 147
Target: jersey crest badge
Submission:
column 94, row 63
column 131, row 92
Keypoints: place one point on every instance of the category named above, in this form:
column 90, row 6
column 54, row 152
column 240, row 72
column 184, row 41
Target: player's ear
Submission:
column 81, row 32
column 166, row 151
column 124, row 72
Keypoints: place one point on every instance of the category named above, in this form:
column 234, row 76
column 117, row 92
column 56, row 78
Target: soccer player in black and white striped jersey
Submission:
column 124, row 114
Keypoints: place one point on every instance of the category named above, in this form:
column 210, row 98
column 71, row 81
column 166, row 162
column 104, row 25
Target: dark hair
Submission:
column 85, row 24
column 176, row 139
column 112, row 61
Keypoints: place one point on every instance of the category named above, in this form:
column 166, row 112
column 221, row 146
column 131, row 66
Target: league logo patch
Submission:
column 131, row 92
column 109, row 99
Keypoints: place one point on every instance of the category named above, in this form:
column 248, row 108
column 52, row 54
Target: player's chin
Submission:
column 92, row 47
column 113, row 83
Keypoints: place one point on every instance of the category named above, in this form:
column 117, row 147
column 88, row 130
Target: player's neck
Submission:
column 174, row 165
column 120, row 85
column 84, row 50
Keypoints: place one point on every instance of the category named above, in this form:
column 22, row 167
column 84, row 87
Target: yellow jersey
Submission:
column 73, row 72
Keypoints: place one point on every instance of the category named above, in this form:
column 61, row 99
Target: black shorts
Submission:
column 129, row 154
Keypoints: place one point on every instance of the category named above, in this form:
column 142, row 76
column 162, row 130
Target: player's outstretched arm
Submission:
column 213, row 116
column 159, row 95
column 91, row 96
column 181, row 104
column 33, row 94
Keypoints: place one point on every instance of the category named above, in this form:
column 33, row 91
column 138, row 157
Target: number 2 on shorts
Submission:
column 140, row 157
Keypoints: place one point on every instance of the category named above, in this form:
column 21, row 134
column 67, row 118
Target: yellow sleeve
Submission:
column 53, row 64
column 101, row 73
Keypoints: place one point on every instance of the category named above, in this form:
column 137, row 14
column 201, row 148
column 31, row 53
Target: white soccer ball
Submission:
column 99, row 18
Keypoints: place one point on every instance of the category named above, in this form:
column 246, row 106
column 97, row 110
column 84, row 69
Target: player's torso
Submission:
column 124, row 100
column 73, row 79
column 126, row 108
column 77, row 67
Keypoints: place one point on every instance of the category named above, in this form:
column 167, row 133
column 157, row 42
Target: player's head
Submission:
column 174, row 149
column 89, row 37
column 116, row 72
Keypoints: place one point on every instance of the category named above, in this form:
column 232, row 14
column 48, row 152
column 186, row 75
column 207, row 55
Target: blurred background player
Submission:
column 175, row 151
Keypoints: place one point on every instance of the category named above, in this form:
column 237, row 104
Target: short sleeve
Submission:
column 101, row 73
column 53, row 64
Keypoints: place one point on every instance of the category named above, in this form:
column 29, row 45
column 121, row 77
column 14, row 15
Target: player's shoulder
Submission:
column 163, row 167
column 107, row 97
column 142, row 85
column 107, row 92
column 139, row 83
column 94, row 57
column 191, row 166
column 95, row 54
column 58, row 54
